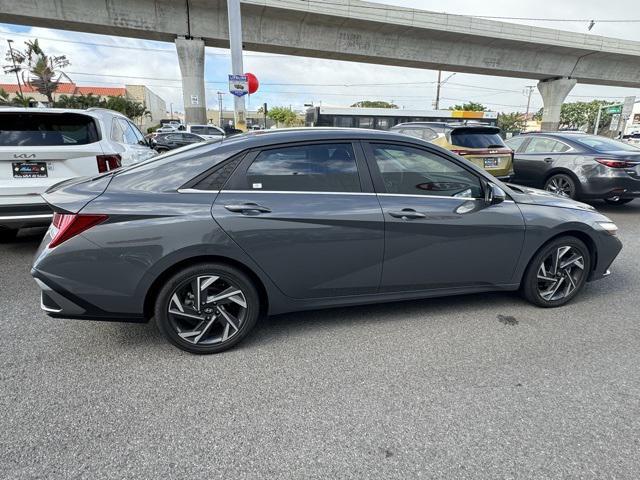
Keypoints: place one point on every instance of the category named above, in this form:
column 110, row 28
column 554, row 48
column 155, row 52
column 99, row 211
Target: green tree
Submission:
column 470, row 107
column 581, row 115
column 39, row 70
column 18, row 101
column 374, row 104
column 512, row 122
column 133, row 110
column 283, row 116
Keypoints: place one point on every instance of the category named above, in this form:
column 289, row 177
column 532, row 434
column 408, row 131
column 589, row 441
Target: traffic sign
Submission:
column 614, row 109
column 238, row 85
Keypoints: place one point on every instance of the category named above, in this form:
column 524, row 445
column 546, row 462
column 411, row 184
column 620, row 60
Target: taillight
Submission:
column 69, row 225
column 107, row 163
column 613, row 163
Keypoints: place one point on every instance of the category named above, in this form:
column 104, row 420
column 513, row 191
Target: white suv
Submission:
column 210, row 132
column 40, row 147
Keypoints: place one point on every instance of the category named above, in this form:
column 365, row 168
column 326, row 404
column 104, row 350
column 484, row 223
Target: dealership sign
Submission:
column 238, row 85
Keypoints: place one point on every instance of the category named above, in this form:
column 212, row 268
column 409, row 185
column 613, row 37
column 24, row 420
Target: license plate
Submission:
column 491, row 162
column 29, row 169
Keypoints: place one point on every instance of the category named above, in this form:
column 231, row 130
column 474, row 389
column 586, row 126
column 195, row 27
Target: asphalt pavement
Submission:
column 480, row 386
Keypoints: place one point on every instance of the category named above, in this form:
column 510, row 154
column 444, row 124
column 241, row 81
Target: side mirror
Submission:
column 493, row 194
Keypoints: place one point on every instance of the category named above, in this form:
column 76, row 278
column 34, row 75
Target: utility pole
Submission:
column 171, row 108
column 220, row 106
column 440, row 83
column 15, row 68
column 437, row 104
column 235, row 43
column 530, row 88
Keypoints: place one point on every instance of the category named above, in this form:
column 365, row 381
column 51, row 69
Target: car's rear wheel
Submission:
column 618, row 201
column 561, row 184
column 207, row 308
column 8, row 234
column 557, row 272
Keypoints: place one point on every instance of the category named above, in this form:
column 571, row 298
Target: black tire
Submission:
column 569, row 188
column 619, row 201
column 8, row 234
column 530, row 282
column 228, row 276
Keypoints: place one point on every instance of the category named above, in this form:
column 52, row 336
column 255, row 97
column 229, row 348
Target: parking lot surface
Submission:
column 481, row 386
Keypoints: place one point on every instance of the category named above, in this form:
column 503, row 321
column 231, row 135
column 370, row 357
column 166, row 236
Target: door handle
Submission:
column 548, row 159
column 247, row 207
column 407, row 214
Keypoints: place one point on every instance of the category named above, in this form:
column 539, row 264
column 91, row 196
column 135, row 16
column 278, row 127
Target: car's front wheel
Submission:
column 207, row 308
column 557, row 272
column 618, row 201
column 561, row 184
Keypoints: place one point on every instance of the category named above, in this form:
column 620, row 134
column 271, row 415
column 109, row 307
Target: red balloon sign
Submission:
column 252, row 82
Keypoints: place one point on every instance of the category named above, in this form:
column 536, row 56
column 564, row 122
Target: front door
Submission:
column 440, row 233
column 308, row 216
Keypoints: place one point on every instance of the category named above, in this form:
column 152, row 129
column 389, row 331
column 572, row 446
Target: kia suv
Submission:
column 41, row 147
column 478, row 143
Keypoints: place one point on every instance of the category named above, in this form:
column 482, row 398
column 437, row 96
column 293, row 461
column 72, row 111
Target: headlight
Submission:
column 609, row 227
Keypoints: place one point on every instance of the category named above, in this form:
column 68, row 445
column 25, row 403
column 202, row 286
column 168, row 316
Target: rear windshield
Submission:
column 18, row 129
column 203, row 130
column 603, row 144
column 477, row 138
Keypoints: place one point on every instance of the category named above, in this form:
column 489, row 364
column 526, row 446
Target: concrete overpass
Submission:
column 351, row 30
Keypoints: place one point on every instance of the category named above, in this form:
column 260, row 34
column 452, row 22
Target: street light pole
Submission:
column 235, row 44
column 437, row 104
column 15, row 68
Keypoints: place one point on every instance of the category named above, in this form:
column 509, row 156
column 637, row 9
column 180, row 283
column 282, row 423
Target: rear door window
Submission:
column 307, row 168
column 516, row 142
column 19, row 129
column 477, row 138
column 545, row 145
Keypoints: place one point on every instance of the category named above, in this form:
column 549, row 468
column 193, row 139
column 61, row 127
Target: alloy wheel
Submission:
column 560, row 185
column 560, row 273
column 207, row 310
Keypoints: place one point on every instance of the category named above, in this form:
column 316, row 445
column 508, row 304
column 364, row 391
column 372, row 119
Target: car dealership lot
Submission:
column 479, row 386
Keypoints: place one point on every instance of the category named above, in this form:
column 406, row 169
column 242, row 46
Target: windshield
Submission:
column 603, row 144
column 477, row 138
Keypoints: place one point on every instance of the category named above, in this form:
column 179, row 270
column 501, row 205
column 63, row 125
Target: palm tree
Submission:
column 19, row 100
column 40, row 71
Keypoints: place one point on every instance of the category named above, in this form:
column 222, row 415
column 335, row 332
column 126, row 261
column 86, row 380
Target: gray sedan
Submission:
column 208, row 238
column 577, row 165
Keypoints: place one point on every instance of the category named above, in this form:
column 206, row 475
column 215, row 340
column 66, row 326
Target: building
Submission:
column 253, row 118
column 138, row 93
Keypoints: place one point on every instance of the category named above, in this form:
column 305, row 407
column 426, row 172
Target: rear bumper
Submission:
column 623, row 186
column 58, row 302
column 25, row 215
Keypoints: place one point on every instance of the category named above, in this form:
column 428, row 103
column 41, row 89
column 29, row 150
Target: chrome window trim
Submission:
column 26, row 217
column 195, row 190
column 296, row 192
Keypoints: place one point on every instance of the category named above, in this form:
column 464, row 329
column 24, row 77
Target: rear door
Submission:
column 537, row 158
column 40, row 149
column 308, row 216
column 440, row 234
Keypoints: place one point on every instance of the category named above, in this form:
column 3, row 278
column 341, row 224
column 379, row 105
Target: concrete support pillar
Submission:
column 554, row 91
column 191, row 59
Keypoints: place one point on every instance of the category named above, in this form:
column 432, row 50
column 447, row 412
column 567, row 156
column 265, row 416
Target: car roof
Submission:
column 283, row 135
column 88, row 111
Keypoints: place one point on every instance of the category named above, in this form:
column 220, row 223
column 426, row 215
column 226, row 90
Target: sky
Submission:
column 114, row 61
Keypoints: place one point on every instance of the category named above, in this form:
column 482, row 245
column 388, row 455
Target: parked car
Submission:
column 632, row 138
column 578, row 165
column 207, row 238
column 478, row 143
column 169, row 141
column 43, row 146
column 210, row 132
column 168, row 128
